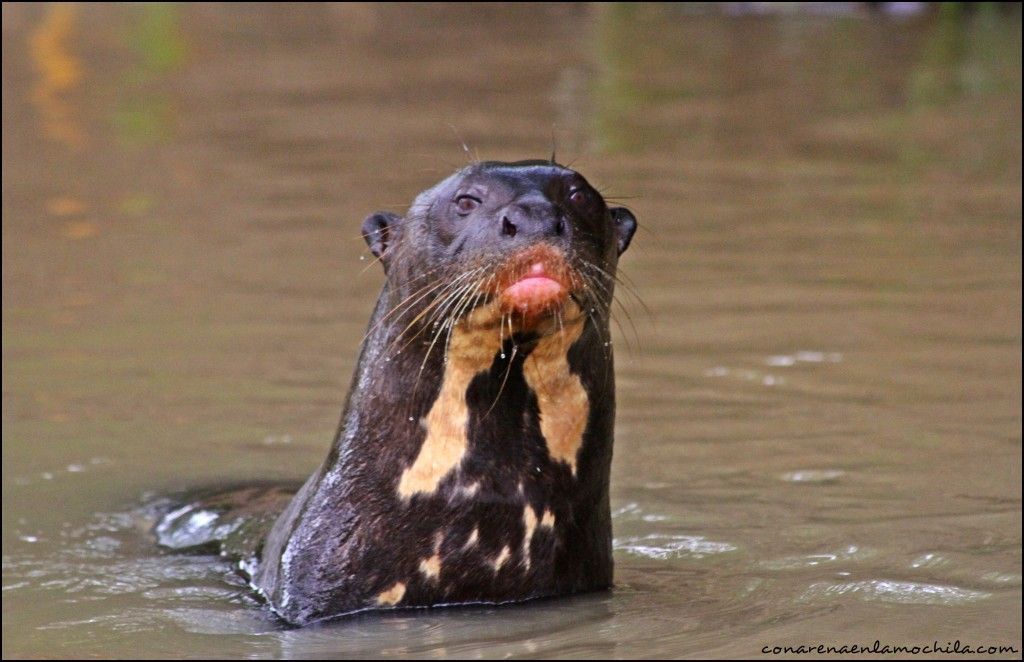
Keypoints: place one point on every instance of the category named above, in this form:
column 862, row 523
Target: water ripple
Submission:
column 803, row 356
column 813, row 475
column 663, row 547
column 849, row 554
column 899, row 592
column 633, row 511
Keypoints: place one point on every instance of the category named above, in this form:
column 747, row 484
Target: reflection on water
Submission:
column 819, row 417
column 144, row 112
column 59, row 73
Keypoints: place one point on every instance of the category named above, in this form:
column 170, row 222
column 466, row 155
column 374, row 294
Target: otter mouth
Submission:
column 536, row 291
column 534, row 283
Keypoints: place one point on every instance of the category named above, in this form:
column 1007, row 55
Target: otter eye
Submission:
column 578, row 196
column 466, row 203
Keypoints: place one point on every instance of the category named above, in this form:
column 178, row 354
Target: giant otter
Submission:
column 472, row 460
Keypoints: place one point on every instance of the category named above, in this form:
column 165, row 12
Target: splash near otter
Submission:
column 472, row 461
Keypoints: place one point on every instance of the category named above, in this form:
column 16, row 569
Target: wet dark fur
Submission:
column 347, row 536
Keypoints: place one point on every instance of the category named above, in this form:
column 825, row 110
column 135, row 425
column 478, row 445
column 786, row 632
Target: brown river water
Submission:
column 819, row 420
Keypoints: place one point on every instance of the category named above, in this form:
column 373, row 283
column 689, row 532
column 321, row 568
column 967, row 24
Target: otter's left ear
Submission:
column 378, row 232
column 625, row 226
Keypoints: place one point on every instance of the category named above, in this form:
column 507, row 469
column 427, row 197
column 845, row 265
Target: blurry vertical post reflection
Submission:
column 59, row 73
column 147, row 113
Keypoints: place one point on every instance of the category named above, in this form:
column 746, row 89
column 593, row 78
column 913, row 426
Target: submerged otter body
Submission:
column 473, row 456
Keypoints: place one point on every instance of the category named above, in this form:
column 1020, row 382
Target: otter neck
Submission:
column 478, row 360
column 484, row 394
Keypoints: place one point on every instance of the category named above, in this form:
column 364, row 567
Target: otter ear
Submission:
column 377, row 231
column 625, row 226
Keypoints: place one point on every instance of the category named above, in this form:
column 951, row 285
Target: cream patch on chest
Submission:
column 431, row 566
column 391, row 596
column 530, row 524
column 471, row 350
column 563, row 402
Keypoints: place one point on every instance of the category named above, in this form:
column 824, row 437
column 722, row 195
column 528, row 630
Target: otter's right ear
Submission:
column 377, row 231
column 625, row 226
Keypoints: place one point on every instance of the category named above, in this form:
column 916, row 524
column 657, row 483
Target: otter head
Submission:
column 521, row 245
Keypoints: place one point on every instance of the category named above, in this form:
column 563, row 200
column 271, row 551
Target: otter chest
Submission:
column 492, row 487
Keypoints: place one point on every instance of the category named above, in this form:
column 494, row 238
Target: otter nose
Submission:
column 532, row 217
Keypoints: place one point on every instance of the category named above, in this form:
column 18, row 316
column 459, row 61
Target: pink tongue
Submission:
column 534, row 291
